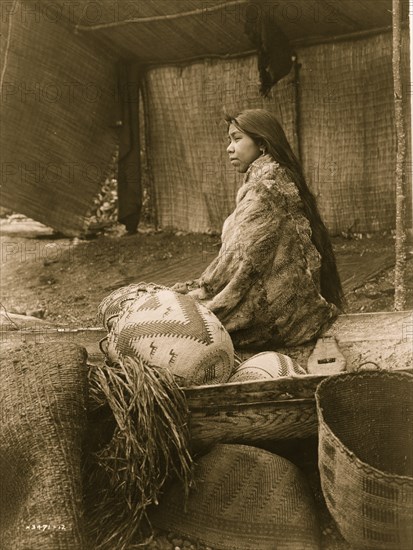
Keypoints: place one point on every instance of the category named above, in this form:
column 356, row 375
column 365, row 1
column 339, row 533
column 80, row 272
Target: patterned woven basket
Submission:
column 265, row 366
column 366, row 457
column 118, row 300
column 243, row 498
column 170, row 330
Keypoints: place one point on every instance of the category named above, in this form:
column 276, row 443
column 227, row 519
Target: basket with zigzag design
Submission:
column 174, row 331
column 159, row 341
column 113, row 304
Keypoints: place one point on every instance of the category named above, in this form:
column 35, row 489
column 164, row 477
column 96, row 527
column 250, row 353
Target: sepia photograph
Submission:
column 206, row 275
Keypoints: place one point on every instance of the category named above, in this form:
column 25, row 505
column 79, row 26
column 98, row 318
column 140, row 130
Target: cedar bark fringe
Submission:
column 150, row 444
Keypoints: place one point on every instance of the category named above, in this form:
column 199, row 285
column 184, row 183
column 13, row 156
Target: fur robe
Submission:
column 264, row 284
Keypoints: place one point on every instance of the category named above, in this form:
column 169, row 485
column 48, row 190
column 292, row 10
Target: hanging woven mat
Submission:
column 43, row 396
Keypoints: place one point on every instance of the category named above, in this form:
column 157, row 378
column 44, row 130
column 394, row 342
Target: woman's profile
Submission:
column 274, row 281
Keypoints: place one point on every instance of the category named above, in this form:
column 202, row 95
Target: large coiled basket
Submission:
column 366, row 457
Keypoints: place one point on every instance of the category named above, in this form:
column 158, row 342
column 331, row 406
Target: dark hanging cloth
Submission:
column 129, row 169
column 274, row 51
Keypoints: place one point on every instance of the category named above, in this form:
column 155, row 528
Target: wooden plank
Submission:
column 384, row 337
column 372, row 326
column 254, row 425
column 260, row 391
column 252, row 412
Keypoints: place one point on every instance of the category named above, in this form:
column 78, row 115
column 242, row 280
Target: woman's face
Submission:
column 242, row 150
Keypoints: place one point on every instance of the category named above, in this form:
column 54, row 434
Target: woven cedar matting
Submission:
column 57, row 109
column 194, row 182
column 348, row 134
column 346, row 128
column 157, row 41
column 157, row 31
column 43, row 392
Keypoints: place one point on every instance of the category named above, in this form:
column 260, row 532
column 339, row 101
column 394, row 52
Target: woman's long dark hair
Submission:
column 262, row 126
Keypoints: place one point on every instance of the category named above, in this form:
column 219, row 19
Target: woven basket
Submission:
column 366, row 457
column 170, row 330
column 265, row 366
column 112, row 305
column 243, row 498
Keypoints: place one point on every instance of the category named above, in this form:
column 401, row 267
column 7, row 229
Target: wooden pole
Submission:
column 410, row 153
column 400, row 267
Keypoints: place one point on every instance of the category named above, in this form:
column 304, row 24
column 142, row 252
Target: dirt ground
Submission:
column 62, row 281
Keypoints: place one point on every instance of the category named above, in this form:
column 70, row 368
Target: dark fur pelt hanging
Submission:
column 274, row 51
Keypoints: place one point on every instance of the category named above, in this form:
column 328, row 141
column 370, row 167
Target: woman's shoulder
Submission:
column 278, row 190
column 266, row 173
column 257, row 192
column 263, row 168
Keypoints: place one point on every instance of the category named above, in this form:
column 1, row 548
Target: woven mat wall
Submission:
column 194, row 183
column 57, row 111
column 348, row 134
column 346, row 129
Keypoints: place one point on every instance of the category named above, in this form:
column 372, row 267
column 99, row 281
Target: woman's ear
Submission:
column 263, row 147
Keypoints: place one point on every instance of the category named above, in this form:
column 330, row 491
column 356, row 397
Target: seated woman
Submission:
column 275, row 281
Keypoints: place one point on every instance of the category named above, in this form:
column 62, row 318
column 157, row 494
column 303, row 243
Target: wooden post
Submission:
column 410, row 153
column 400, row 268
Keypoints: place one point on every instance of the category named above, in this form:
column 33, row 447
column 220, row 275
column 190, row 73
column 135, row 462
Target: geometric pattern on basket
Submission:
column 243, row 498
column 117, row 301
column 372, row 507
column 173, row 331
column 193, row 326
column 372, row 487
column 266, row 365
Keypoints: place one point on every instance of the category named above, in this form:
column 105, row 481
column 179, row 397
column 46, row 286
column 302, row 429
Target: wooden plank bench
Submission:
column 252, row 412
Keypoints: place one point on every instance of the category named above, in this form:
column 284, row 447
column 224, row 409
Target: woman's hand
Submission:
column 182, row 288
column 185, row 288
column 198, row 294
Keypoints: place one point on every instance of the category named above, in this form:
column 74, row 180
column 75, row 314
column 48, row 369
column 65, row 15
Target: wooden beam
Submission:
column 356, row 35
column 165, row 17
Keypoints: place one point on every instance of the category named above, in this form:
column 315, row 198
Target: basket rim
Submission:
column 362, row 465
